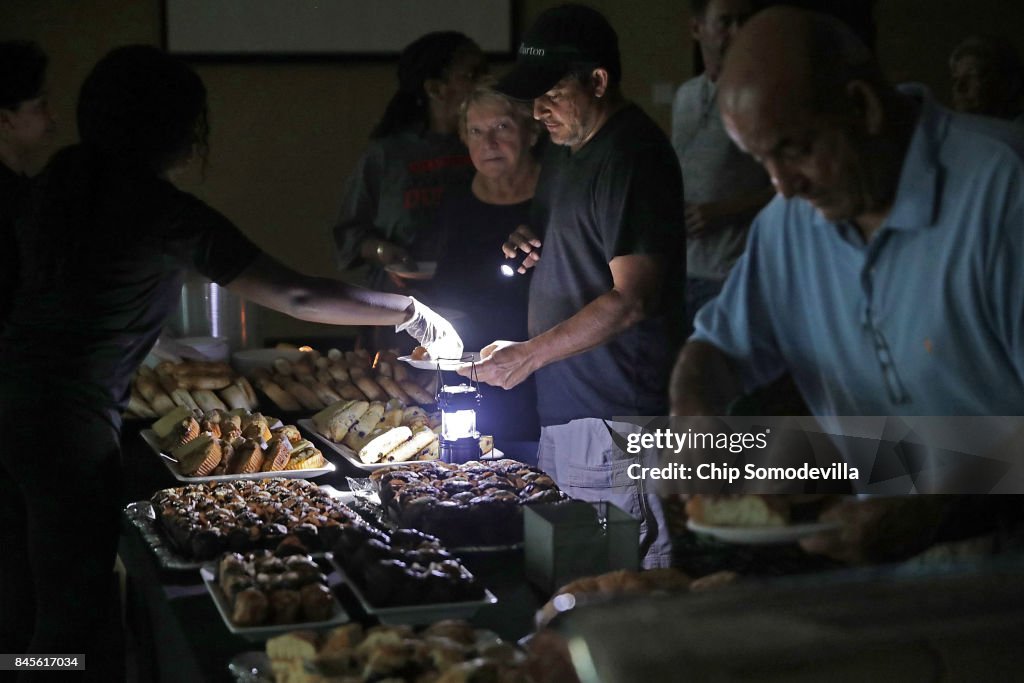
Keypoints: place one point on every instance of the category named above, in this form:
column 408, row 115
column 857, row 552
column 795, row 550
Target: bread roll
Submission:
column 207, row 400
column 416, row 393
column 373, row 391
column 394, row 390
column 303, row 394
column 181, row 397
column 279, row 396
column 351, row 392
column 154, row 395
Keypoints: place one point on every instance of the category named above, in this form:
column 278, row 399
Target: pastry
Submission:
column 198, row 457
column 738, row 510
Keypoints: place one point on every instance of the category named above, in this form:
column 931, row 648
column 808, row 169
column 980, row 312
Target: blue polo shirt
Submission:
column 925, row 319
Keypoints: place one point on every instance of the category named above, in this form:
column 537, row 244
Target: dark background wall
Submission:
column 284, row 136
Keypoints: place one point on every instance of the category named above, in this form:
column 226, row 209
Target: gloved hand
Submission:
column 433, row 332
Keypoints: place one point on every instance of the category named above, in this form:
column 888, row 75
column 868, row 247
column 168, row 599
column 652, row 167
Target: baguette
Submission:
column 325, row 393
column 234, row 397
column 283, row 366
column 138, row 406
column 350, row 392
column 401, row 372
column 181, row 397
column 199, row 382
column 154, row 395
column 417, row 393
column 338, row 373
column 250, row 393
column 380, row 446
column 372, row 390
column 279, row 396
column 394, row 390
column 303, row 394
column 208, row 400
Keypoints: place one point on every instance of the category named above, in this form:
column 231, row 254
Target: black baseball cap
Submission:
column 562, row 39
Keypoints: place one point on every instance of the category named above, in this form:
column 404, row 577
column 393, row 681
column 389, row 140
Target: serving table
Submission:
column 175, row 631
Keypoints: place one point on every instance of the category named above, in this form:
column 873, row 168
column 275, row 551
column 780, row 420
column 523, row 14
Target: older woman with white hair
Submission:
column 501, row 135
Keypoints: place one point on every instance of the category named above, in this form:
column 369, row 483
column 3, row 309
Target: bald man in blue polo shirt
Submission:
column 886, row 273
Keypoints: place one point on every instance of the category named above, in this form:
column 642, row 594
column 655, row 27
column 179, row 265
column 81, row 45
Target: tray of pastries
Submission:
column 449, row 651
column 406, row 576
column 197, row 522
column 475, row 505
column 311, row 381
column 374, row 434
column 219, row 446
column 193, row 384
column 262, row 594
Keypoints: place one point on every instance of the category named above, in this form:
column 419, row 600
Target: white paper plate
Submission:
column 761, row 535
column 259, row 633
column 418, row 614
column 444, row 364
column 150, row 437
column 425, row 270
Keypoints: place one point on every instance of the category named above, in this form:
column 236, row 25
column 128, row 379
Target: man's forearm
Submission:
column 593, row 325
column 703, row 381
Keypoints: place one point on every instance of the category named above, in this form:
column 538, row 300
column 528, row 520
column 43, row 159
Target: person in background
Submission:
column 608, row 216
column 988, row 78
column 27, row 127
column 723, row 187
column 389, row 211
column 501, row 135
column 104, row 242
column 885, row 275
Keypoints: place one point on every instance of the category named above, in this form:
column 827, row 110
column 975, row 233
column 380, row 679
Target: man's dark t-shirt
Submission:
column 620, row 194
column 90, row 306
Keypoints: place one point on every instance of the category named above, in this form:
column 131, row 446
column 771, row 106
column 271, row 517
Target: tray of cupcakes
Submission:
column 190, row 525
column 262, row 594
column 406, row 577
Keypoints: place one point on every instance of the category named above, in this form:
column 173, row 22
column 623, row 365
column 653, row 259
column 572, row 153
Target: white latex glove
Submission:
column 432, row 332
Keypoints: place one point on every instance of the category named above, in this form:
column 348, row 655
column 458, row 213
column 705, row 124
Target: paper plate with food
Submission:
column 420, row 358
column 753, row 519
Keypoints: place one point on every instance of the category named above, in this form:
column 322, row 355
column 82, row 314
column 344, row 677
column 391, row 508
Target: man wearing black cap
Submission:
column 26, row 127
column 609, row 210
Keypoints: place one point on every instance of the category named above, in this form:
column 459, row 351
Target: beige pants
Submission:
column 586, row 464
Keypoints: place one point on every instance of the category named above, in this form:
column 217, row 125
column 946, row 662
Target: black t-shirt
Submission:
column 90, row 306
column 13, row 187
column 620, row 194
column 469, row 280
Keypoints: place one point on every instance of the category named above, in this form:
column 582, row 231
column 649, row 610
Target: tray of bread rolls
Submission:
column 219, row 446
column 307, row 382
column 193, row 384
